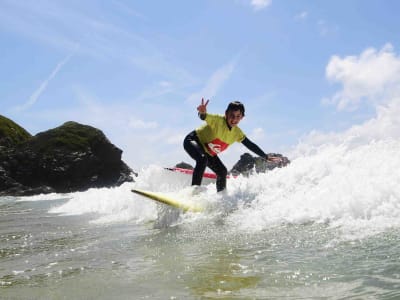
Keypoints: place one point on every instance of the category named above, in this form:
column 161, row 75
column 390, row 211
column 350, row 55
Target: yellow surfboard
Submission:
column 169, row 201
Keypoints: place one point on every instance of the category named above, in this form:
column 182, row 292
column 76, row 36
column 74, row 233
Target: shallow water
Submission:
column 68, row 257
column 321, row 229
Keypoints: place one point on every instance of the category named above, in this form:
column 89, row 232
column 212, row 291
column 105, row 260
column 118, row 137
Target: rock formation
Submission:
column 69, row 158
column 248, row 164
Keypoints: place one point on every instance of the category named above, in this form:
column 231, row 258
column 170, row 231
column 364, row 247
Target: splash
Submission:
column 108, row 205
column 348, row 180
column 115, row 205
column 339, row 186
column 354, row 189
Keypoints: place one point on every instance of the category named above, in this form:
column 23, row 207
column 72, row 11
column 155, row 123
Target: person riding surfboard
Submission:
column 216, row 135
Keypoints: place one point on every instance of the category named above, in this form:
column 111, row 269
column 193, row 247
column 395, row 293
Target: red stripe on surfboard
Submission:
column 190, row 172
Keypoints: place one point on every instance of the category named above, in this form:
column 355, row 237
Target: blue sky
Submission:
column 138, row 69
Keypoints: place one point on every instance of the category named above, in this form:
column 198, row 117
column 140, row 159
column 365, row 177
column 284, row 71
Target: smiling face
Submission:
column 233, row 117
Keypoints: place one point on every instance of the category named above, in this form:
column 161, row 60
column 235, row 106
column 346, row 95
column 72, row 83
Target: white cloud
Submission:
column 372, row 76
column 260, row 4
column 214, row 83
column 384, row 126
column 43, row 86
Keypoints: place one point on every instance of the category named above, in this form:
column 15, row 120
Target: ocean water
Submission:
column 325, row 227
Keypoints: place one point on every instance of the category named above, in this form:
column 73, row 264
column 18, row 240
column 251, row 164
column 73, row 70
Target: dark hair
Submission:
column 235, row 105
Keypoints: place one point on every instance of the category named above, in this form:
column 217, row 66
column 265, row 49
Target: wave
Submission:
column 348, row 181
column 353, row 189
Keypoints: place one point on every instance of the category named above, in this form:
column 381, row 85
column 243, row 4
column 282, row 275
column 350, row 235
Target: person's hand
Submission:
column 202, row 108
column 275, row 159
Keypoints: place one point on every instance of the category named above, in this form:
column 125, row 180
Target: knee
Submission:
column 202, row 159
column 186, row 142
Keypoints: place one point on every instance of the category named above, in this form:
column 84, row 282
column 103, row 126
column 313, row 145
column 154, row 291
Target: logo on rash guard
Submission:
column 216, row 146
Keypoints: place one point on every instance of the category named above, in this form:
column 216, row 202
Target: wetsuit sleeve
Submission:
column 253, row 147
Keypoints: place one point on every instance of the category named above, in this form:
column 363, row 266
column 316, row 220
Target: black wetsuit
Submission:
column 194, row 148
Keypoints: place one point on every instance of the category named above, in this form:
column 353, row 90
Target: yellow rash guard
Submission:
column 215, row 135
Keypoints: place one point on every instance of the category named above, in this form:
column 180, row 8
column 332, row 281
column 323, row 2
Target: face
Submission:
column 233, row 117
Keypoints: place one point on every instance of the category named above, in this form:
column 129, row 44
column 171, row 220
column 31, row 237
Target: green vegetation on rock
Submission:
column 11, row 133
column 71, row 135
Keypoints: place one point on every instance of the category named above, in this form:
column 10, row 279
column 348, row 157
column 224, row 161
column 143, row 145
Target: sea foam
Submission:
column 348, row 181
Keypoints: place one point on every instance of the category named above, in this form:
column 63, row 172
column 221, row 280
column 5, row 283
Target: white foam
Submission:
column 355, row 189
column 347, row 180
column 43, row 197
column 109, row 205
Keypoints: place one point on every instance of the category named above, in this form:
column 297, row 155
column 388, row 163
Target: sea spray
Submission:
column 347, row 181
column 108, row 205
column 355, row 189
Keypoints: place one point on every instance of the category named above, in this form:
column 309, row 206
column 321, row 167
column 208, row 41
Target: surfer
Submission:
column 220, row 131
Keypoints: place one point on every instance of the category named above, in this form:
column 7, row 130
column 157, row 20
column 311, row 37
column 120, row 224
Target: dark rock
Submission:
column 248, row 164
column 245, row 165
column 69, row 158
column 184, row 165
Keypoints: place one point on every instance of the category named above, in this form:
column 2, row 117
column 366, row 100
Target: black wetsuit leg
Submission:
column 193, row 147
column 196, row 151
column 215, row 164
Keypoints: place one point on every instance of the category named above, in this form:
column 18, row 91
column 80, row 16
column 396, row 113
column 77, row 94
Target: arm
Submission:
column 254, row 148
column 202, row 116
column 202, row 109
column 257, row 150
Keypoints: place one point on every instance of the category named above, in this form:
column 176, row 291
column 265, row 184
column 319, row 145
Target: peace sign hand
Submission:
column 202, row 108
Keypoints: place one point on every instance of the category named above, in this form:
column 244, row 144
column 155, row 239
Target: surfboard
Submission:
column 169, row 201
column 207, row 175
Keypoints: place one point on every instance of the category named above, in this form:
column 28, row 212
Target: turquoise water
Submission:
column 318, row 229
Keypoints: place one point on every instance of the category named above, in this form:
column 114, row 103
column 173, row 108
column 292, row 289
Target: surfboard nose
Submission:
column 169, row 201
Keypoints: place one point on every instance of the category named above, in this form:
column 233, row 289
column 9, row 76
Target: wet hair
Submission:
column 234, row 106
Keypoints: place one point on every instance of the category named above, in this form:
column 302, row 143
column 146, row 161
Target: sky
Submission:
column 137, row 70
